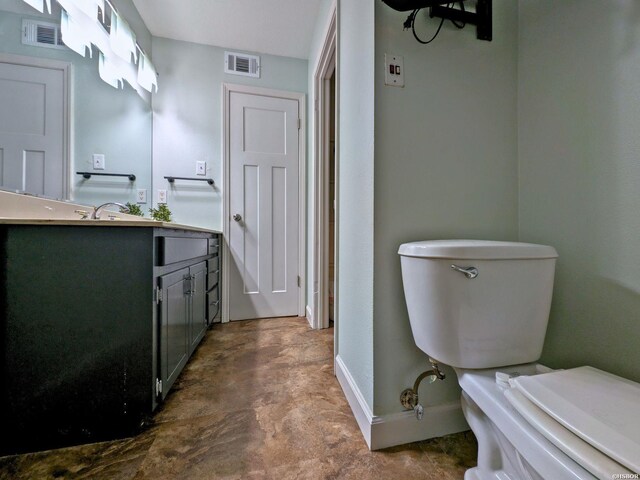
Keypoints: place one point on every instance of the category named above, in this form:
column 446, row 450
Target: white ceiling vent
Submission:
column 41, row 34
column 242, row 64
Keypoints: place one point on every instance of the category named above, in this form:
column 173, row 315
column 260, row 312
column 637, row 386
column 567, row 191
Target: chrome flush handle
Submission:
column 470, row 272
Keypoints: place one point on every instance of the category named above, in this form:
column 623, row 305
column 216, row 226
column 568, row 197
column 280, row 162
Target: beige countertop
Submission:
column 21, row 209
column 103, row 223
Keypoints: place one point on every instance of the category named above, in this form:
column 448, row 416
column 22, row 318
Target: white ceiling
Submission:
column 277, row 27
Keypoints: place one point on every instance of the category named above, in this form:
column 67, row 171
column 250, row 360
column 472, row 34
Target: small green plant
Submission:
column 161, row 214
column 134, row 209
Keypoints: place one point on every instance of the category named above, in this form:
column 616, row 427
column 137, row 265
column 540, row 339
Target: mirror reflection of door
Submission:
column 32, row 107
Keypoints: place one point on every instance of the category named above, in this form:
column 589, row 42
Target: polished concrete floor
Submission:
column 257, row 400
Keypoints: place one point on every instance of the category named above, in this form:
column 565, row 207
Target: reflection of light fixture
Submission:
column 147, row 77
column 80, row 28
column 37, row 4
column 121, row 38
column 90, row 7
column 108, row 71
column 73, row 35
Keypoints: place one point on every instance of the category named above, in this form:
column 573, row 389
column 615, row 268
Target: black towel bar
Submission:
column 88, row 175
column 173, row 179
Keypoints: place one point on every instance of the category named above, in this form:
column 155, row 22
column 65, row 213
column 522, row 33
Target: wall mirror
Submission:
column 49, row 131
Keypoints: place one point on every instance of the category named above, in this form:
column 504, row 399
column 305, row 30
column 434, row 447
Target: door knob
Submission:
column 237, row 217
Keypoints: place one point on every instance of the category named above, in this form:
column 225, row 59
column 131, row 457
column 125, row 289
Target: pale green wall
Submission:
column 116, row 123
column 579, row 150
column 187, row 121
column 355, row 196
column 445, row 167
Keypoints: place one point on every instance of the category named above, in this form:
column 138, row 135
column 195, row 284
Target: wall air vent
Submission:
column 41, row 34
column 242, row 64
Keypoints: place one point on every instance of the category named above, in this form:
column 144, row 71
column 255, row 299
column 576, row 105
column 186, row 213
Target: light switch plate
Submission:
column 141, row 195
column 394, row 70
column 98, row 161
column 201, row 168
column 162, row 196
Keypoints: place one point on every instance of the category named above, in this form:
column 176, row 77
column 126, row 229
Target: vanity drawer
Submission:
column 213, row 272
column 177, row 249
column 213, row 304
column 213, row 245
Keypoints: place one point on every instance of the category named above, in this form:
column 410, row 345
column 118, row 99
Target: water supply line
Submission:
column 409, row 397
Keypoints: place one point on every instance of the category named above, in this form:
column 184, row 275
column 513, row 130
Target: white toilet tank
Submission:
column 478, row 304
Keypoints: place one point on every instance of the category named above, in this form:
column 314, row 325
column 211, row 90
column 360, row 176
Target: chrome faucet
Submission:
column 98, row 210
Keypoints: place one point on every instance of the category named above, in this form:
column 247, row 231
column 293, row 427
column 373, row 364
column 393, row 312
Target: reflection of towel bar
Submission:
column 173, row 179
column 88, row 175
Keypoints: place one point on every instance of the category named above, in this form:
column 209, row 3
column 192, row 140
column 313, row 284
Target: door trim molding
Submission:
column 68, row 107
column 326, row 66
column 227, row 90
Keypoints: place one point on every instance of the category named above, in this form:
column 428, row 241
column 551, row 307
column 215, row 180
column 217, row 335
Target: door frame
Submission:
column 67, row 108
column 227, row 90
column 326, row 67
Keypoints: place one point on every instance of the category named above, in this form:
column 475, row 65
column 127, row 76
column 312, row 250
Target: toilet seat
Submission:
column 577, row 449
column 491, row 415
column 531, row 449
column 591, row 415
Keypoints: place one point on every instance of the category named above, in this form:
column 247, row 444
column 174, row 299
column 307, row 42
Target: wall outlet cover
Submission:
column 394, row 70
column 162, row 196
column 98, row 161
column 201, row 168
column 141, row 195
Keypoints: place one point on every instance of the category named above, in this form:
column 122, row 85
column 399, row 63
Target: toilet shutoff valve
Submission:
column 409, row 397
column 409, row 400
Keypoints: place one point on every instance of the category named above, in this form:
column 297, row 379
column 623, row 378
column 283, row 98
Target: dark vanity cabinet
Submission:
column 97, row 323
column 182, row 297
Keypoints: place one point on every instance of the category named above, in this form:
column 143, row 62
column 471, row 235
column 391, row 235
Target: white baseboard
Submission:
column 356, row 401
column 401, row 427
column 309, row 316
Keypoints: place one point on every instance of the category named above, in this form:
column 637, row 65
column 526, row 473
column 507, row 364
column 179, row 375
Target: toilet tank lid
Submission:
column 476, row 250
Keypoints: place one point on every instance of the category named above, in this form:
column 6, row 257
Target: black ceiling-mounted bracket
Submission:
column 481, row 18
column 407, row 5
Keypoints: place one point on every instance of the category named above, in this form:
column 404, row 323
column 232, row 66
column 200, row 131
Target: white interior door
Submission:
column 263, row 204
column 32, row 129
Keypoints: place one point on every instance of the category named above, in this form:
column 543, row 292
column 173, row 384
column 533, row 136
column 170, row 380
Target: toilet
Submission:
column 482, row 307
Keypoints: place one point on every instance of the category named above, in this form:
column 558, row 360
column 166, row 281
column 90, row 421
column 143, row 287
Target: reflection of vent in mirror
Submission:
column 242, row 64
column 41, row 34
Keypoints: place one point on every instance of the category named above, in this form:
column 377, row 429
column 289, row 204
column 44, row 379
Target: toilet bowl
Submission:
column 482, row 307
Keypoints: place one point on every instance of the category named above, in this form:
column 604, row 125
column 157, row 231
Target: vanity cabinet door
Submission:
column 198, row 290
column 174, row 326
